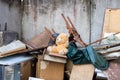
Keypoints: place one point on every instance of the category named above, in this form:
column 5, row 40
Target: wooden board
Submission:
column 54, row 58
column 25, row 70
column 58, row 55
column 12, row 47
column 50, row 70
column 82, row 72
column 40, row 40
column 112, row 21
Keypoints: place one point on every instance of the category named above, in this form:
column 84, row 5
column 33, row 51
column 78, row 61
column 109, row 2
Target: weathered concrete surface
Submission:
column 87, row 15
column 10, row 14
column 98, row 8
column 41, row 13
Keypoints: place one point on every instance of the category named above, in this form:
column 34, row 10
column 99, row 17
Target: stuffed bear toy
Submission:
column 61, row 44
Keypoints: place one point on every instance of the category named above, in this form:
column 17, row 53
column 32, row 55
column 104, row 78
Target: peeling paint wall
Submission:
column 40, row 13
column 10, row 14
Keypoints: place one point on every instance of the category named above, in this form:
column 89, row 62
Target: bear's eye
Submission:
column 58, row 39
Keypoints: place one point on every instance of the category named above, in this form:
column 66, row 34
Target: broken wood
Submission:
column 67, row 24
column 112, row 56
column 50, row 34
column 110, row 50
column 73, row 31
column 105, row 46
column 75, row 34
column 79, row 72
column 12, row 47
column 39, row 41
column 53, row 31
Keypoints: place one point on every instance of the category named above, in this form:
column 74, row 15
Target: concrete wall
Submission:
column 87, row 16
column 41, row 13
column 10, row 14
column 98, row 8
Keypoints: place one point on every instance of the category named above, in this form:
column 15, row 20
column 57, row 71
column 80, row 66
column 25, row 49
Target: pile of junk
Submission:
column 63, row 56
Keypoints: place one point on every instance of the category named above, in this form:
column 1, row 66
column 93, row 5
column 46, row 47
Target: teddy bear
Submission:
column 61, row 44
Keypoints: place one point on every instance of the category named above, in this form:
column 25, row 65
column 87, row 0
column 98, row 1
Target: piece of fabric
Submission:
column 86, row 55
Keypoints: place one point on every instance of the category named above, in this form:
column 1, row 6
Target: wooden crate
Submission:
column 49, row 70
column 27, row 70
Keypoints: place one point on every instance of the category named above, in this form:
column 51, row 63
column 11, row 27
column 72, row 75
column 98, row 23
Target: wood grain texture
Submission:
column 82, row 72
column 26, row 70
column 50, row 70
column 112, row 21
column 40, row 40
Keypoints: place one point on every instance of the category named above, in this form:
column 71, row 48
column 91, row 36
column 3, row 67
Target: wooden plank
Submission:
column 40, row 40
column 25, row 70
column 38, row 67
column 12, row 47
column 54, row 59
column 58, row 55
column 112, row 20
column 98, row 8
column 82, row 72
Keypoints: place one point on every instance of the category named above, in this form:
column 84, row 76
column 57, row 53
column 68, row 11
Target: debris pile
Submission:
column 52, row 51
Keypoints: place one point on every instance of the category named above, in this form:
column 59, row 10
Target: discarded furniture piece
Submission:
column 112, row 25
column 82, row 72
column 27, row 69
column 50, row 67
column 40, row 40
column 109, row 51
column 12, row 48
column 7, row 36
column 10, row 66
column 18, row 47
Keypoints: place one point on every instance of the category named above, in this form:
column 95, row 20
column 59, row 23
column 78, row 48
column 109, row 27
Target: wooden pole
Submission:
column 101, row 39
column 49, row 33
